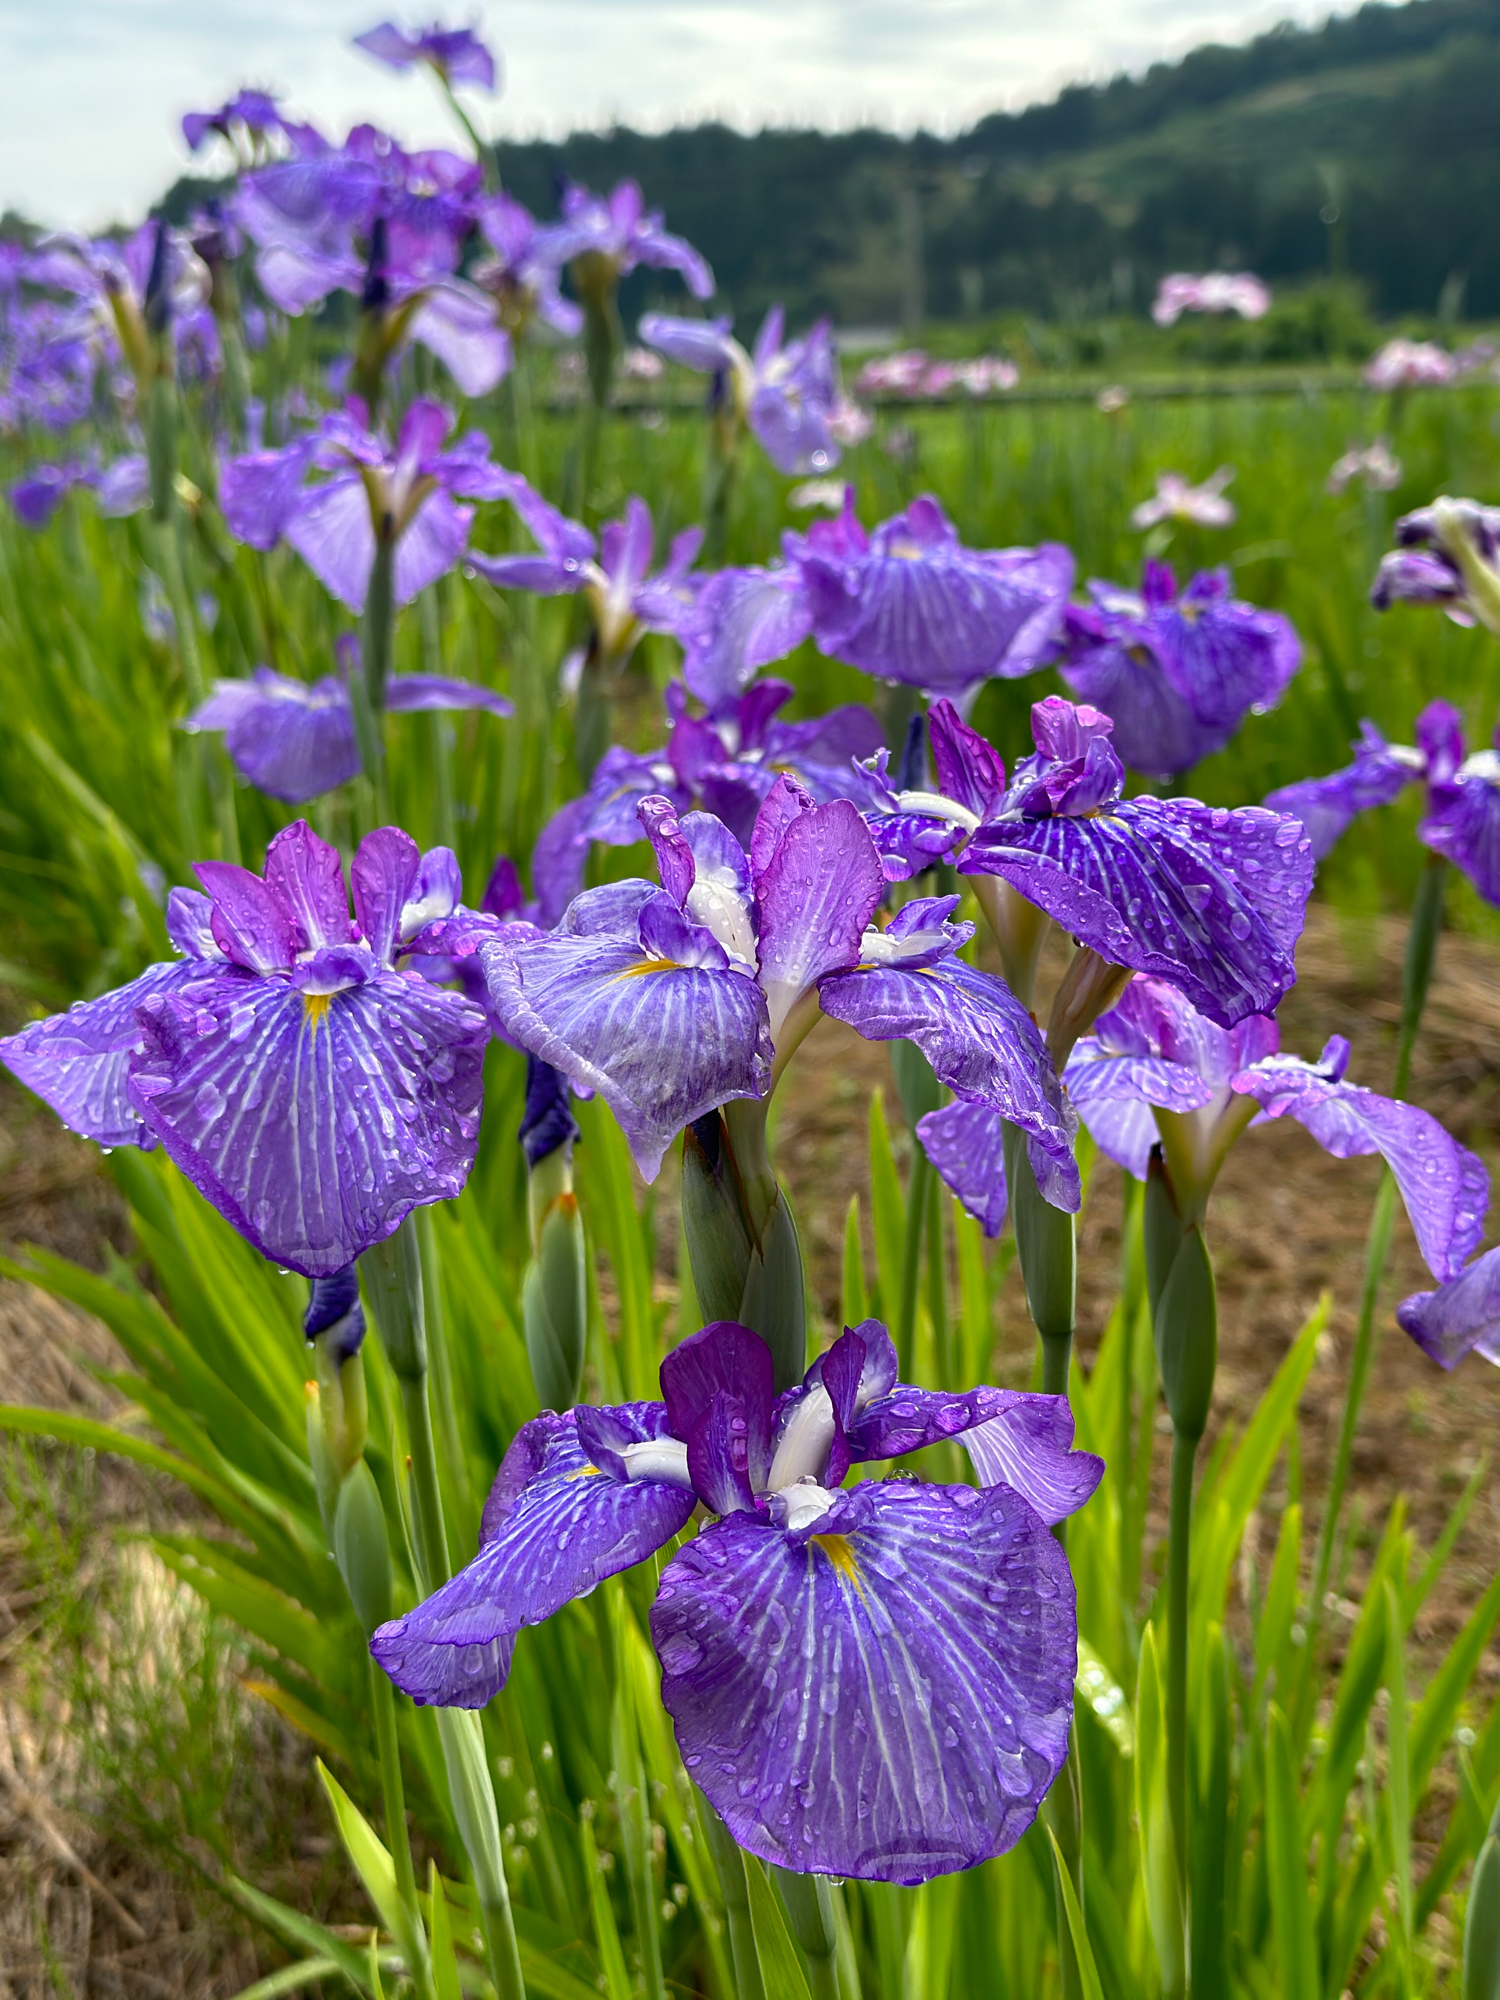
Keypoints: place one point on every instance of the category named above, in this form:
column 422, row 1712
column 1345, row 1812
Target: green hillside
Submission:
column 1369, row 146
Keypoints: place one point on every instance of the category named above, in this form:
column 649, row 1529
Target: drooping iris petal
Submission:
column 1016, row 1439
column 407, row 694
column 457, row 323
column 1112, row 1091
column 661, row 1043
column 1210, row 900
column 555, row 1525
column 293, row 739
column 331, row 532
column 430, row 546
column 1459, row 1317
column 888, row 1697
column 980, row 1040
column 1029, row 1448
column 966, row 1144
column 742, row 620
column 1445, row 1187
column 1463, row 822
column 79, row 1062
column 1327, row 807
column 313, row 1121
column 911, row 603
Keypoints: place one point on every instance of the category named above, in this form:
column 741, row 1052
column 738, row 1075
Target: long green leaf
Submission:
column 1088, row 1971
column 780, row 1967
column 1291, row 1906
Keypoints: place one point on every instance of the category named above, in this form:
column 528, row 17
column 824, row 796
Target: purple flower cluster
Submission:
column 911, row 373
column 872, row 1681
column 1238, row 292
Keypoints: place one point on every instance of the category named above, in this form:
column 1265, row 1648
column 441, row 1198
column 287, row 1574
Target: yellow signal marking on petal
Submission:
column 840, row 1553
column 585, row 1472
column 315, row 1008
column 649, row 965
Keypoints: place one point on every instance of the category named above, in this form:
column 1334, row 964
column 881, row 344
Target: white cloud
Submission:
column 91, row 90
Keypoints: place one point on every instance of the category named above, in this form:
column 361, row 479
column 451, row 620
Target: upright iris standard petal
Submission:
column 556, row 1525
column 1445, row 1187
column 1460, row 1317
column 661, row 1042
column 722, row 1359
column 815, row 892
column 315, row 1122
column 887, row 1697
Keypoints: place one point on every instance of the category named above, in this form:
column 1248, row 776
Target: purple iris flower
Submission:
column 248, row 121
column 725, row 762
column 872, row 1681
column 521, row 273
column 624, row 596
column 403, row 493
column 605, row 237
column 388, row 226
column 1177, row 673
column 1462, row 816
column 1208, row 898
column 121, row 488
column 1157, row 1070
column 1447, row 554
column 310, row 1090
column 108, row 283
column 671, row 1001
column 456, row 54
column 910, row 603
column 295, row 739
column 786, row 391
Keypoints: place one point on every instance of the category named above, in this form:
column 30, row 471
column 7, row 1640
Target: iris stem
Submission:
column 393, row 1791
column 1179, row 1549
column 808, row 1901
column 376, row 645
column 729, row 1866
column 392, row 1272
column 911, row 1256
column 1416, row 981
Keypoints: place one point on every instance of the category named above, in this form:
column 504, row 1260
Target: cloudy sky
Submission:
column 91, row 90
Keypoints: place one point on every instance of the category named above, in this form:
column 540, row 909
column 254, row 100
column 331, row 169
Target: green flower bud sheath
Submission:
column 741, row 1236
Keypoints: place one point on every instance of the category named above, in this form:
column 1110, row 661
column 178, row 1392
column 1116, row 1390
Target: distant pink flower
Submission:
column 1215, row 292
column 1374, row 467
column 1112, row 399
column 912, row 372
column 639, row 364
column 1411, row 364
column 1175, row 500
column 850, row 423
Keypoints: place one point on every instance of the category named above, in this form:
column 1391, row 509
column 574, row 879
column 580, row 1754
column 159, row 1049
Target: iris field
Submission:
column 605, row 1782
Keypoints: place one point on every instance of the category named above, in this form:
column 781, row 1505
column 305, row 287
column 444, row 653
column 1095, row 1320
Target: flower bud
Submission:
column 741, row 1236
column 554, row 1304
column 1045, row 1243
column 1184, row 1305
column 361, row 1547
